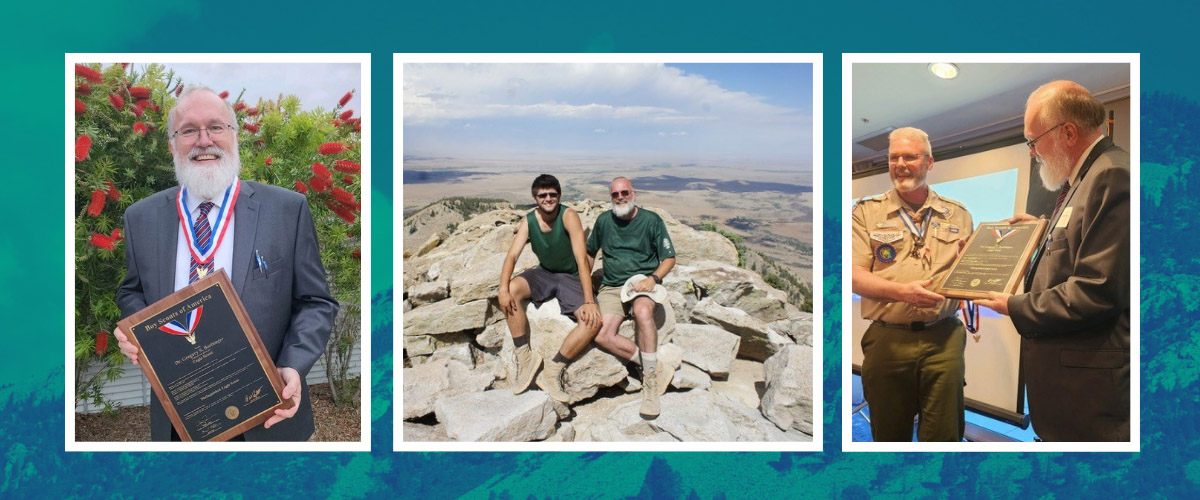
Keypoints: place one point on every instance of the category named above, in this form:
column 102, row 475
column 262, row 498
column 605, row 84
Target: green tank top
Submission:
column 553, row 249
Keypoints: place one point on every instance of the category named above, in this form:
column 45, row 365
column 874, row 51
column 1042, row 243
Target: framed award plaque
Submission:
column 205, row 361
column 994, row 260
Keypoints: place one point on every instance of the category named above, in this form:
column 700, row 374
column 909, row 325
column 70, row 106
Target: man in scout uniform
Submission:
column 634, row 242
column 904, row 241
column 1074, row 317
column 556, row 236
column 263, row 236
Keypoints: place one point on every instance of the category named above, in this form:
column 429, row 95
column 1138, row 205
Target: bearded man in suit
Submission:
column 1074, row 316
column 264, row 238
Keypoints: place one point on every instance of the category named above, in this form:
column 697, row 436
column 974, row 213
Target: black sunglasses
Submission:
column 624, row 193
column 542, row 196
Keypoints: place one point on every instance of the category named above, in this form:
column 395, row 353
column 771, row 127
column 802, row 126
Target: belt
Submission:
column 916, row 325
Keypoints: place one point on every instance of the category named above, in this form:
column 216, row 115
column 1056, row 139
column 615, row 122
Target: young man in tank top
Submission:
column 556, row 236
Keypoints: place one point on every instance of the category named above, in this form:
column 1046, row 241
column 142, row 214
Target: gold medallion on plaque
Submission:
column 231, row 412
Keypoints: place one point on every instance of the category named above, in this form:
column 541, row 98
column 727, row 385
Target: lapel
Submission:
column 1104, row 145
column 245, row 216
column 168, row 240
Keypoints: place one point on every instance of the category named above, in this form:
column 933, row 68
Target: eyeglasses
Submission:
column 1033, row 142
column 624, row 193
column 895, row 159
column 194, row 132
column 542, row 196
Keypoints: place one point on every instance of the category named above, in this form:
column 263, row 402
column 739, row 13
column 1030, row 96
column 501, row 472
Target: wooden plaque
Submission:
column 205, row 361
column 994, row 260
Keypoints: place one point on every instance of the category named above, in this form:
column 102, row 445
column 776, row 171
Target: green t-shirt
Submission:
column 553, row 249
column 630, row 247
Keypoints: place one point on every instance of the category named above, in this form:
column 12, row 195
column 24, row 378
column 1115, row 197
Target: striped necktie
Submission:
column 203, row 242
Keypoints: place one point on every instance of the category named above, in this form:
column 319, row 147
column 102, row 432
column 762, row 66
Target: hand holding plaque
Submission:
column 205, row 361
column 994, row 260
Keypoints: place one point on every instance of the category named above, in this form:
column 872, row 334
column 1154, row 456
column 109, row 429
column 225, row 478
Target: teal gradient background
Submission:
column 32, row 253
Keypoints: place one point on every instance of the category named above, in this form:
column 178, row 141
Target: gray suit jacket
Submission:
column 1074, row 318
column 290, row 306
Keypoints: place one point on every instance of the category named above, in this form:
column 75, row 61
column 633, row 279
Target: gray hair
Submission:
column 1067, row 101
column 911, row 134
column 187, row 91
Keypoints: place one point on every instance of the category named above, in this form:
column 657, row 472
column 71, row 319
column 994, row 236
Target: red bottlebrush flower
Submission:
column 82, row 145
column 319, row 169
column 239, row 106
column 348, row 180
column 116, row 101
column 97, row 204
column 336, row 122
column 341, row 211
column 141, row 104
column 136, row 111
column 332, row 148
column 346, row 98
column 258, row 143
column 88, row 74
column 178, row 90
column 250, row 127
column 223, row 94
column 80, row 107
column 102, row 241
column 83, row 89
column 347, row 114
column 342, row 195
column 347, row 166
column 113, row 194
column 139, row 92
column 357, row 127
column 155, row 107
column 301, row 187
column 269, row 160
column 139, row 128
column 101, row 342
column 357, row 254
column 116, row 234
column 319, row 184
column 252, row 111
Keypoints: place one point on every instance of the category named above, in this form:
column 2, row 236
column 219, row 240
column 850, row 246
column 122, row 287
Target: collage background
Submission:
column 32, row 254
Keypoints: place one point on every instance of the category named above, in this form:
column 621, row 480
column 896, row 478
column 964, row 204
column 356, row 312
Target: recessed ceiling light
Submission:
column 945, row 71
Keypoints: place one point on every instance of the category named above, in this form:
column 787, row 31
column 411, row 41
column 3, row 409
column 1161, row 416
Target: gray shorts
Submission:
column 545, row 285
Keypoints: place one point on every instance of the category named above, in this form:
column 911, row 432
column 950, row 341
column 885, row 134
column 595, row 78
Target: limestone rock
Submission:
column 417, row 432
column 690, row 377
column 425, row 345
column 707, row 347
column 788, row 398
column 743, row 383
column 759, row 342
column 427, row 383
column 446, row 316
column 428, row 293
column 497, row 416
column 798, row 328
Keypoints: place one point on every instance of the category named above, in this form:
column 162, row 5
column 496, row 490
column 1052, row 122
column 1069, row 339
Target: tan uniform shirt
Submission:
column 876, row 222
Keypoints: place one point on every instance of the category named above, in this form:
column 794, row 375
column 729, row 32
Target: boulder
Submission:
column 427, row 383
column 428, row 293
column 690, row 377
column 446, row 316
column 800, row 329
column 707, row 347
column 759, row 342
column 787, row 400
column 418, row 346
column 418, row 433
column 498, row 416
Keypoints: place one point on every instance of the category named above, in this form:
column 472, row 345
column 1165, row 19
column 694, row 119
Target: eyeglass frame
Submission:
column 548, row 194
column 1032, row 143
column 916, row 156
column 623, row 193
column 209, row 129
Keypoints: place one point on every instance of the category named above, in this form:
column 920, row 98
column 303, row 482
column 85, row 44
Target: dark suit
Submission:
column 290, row 305
column 1074, row 319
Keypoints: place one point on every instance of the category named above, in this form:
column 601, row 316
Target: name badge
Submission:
column 887, row 236
column 1064, row 218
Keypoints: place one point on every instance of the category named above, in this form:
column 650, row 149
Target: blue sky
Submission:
column 749, row 115
column 268, row 80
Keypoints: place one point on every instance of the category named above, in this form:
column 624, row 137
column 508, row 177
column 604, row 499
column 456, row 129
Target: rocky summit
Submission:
column 741, row 354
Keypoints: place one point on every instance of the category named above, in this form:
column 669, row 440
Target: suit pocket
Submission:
column 272, row 267
column 1108, row 360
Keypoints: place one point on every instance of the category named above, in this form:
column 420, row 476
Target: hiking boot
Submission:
column 551, row 381
column 527, row 367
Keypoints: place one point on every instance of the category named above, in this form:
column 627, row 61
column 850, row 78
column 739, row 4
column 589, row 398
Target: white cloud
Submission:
column 599, row 131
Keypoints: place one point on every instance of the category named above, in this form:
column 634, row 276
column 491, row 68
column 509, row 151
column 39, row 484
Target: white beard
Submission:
column 622, row 211
column 207, row 183
column 1053, row 170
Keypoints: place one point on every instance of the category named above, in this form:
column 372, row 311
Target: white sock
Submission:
column 637, row 360
column 649, row 360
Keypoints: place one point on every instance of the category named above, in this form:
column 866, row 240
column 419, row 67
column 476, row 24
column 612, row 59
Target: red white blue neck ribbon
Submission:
column 971, row 316
column 1000, row 235
column 187, row 325
column 218, row 223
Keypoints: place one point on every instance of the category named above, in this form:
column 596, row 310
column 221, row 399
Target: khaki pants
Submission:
column 907, row 373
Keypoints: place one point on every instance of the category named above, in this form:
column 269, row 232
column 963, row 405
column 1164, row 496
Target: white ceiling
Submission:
column 983, row 97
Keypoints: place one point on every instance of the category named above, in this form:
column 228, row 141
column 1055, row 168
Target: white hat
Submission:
column 658, row 293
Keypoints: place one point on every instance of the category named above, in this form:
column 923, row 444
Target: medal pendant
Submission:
column 202, row 271
column 976, row 337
